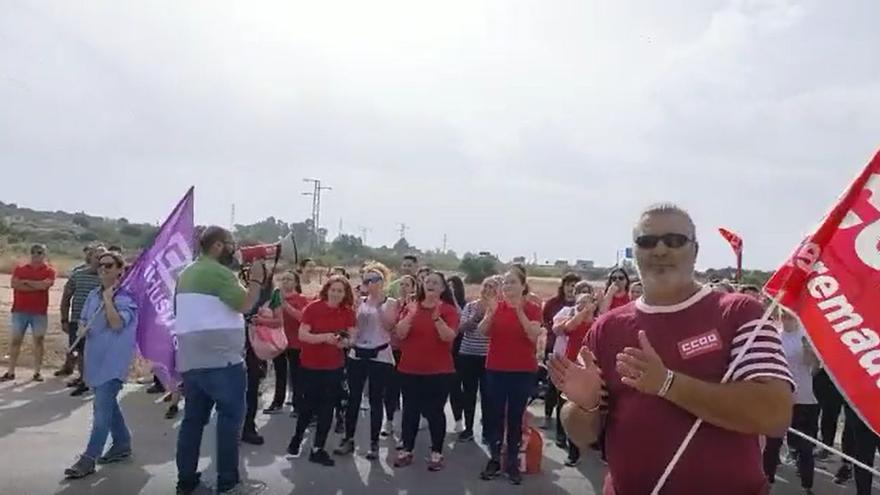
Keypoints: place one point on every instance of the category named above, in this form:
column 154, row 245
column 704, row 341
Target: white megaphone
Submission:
column 284, row 249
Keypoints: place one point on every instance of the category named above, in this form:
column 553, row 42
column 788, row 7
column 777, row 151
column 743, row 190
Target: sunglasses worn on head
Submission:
column 673, row 241
column 371, row 279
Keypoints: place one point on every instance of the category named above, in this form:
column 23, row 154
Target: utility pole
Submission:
column 444, row 243
column 402, row 228
column 316, row 208
column 364, row 231
column 340, row 226
column 232, row 218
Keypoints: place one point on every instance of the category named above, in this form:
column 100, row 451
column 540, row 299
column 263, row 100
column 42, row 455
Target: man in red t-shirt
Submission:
column 662, row 360
column 30, row 302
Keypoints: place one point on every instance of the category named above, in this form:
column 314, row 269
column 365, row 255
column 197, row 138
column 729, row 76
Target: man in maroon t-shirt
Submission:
column 662, row 359
column 30, row 301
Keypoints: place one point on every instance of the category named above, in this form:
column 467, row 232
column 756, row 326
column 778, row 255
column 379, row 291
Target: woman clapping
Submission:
column 426, row 368
column 513, row 326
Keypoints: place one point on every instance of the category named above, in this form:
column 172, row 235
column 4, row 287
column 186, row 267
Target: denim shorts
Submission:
column 37, row 323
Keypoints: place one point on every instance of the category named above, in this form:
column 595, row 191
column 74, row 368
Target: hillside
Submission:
column 65, row 234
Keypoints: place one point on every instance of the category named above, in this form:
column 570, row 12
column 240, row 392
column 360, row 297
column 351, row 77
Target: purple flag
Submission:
column 152, row 281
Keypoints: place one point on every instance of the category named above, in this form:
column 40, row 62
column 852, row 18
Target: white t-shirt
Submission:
column 371, row 334
column 561, row 342
column 801, row 369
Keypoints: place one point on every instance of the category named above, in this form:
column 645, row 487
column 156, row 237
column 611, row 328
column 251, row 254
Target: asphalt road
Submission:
column 42, row 430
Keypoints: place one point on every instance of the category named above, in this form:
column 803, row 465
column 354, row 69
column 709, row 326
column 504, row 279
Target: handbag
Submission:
column 267, row 342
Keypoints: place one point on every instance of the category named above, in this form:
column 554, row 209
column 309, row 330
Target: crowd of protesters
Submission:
column 607, row 360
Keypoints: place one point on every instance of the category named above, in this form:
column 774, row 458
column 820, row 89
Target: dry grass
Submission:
column 62, row 264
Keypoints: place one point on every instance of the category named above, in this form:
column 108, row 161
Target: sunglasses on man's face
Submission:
column 673, row 241
column 108, row 266
column 618, row 278
column 37, row 253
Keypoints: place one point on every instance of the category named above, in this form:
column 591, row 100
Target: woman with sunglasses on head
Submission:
column 407, row 287
column 371, row 357
column 108, row 321
column 471, row 362
column 570, row 326
column 456, row 394
column 513, row 326
column 287, row 364
column 327, row 328
column 426, row 367
column 616, row 291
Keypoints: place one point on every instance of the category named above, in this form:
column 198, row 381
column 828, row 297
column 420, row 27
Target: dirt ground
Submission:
column 56, row 340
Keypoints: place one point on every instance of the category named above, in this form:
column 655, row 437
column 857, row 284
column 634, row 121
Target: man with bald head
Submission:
column 662, row 360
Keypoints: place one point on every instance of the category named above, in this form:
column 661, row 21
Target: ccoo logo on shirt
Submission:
column 699, row 345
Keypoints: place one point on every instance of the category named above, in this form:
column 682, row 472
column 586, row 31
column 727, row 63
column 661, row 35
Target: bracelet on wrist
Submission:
column 667, row 383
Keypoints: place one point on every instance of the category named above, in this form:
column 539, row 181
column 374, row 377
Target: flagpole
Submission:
column 699, row 421
column 834, row 451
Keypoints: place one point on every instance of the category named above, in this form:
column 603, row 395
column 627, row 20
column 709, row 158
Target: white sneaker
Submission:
column 388, row 429
column 459, row 426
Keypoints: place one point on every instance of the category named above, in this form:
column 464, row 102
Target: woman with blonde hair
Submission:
column 371, row 357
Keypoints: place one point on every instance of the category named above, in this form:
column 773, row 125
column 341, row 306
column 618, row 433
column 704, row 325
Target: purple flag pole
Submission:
column 152, row 280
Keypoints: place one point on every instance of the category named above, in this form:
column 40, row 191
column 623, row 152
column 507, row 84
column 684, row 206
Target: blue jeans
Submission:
column 22, row 321
column 509, row 393
column 107, row 420
column 203, row 389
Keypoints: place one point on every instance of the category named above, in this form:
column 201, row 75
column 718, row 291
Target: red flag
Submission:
column 736, row 243
column 832, row 282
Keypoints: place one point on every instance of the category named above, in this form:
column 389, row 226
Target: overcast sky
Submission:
column 511, row 126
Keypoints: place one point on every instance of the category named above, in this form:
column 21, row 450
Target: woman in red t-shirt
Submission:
column 426, row 369
column 513, row 326
column 408, row 286
column 328, row 327
column 616, row 291
column 287, row 364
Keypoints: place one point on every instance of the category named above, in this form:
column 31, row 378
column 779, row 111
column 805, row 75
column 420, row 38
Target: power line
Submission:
column 316, row 208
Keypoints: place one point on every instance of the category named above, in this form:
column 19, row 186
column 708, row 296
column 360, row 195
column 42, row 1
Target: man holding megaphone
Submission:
column 284, row 249
column 210, row 329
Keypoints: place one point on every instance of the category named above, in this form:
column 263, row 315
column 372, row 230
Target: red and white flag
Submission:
column 736, row 243
column 832, row 282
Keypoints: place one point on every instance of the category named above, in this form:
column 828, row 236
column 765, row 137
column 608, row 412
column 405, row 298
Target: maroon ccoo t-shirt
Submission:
column 700, row 338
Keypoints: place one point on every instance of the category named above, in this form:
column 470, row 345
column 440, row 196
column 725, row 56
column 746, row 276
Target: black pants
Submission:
column 866, row 443
column 424, row 395
column 456, row 394
column 509, row 393
column 472, row 370
column 286, row 372
column 359, row 371
column 319, row 396
column 804, row 418
column 831, row 403
column 256, row 371
column 392, row 390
